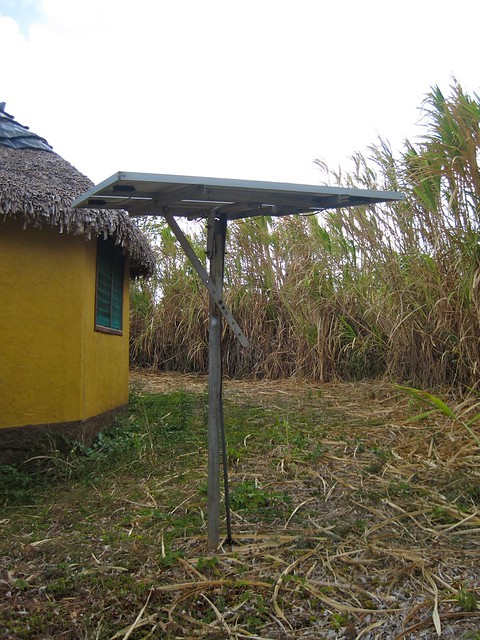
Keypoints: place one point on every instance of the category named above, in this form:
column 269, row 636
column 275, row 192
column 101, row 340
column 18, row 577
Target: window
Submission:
column 109, row 296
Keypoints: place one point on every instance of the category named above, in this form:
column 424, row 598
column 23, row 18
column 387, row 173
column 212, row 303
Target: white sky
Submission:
column 230, row 88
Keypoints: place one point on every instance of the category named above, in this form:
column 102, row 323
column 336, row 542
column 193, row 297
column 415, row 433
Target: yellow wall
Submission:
column 105, row 356
column 53, row 366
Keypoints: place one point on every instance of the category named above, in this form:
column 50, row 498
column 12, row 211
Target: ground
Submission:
column 355, row 515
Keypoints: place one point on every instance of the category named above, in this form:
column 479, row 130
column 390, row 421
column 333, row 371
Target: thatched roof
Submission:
column 37, row 187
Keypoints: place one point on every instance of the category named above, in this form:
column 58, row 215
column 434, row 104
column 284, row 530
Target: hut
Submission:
column 64, row 282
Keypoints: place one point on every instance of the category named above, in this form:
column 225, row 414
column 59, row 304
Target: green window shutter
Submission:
column 117, row 291
column 110, row 274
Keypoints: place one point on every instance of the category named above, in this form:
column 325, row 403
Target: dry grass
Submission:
column 351, row 520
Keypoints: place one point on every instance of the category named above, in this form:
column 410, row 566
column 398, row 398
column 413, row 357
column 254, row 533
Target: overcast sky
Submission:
column 243, row 89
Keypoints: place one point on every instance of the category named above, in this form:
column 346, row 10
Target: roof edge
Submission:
column 57, row 212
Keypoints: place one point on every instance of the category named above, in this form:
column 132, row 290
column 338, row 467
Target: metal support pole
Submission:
column 217, row 233
column 206, row 279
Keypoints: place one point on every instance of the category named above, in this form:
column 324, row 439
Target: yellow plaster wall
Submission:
column 53, row 366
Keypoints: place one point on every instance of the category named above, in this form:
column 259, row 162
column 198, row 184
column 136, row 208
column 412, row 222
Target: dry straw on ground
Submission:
column 379, row 541
column 379, row 552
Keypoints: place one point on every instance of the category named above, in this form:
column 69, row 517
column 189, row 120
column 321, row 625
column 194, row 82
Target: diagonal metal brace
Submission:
column 199, row 268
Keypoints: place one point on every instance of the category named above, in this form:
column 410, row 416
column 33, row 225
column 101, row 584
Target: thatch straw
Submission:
column 38, row 187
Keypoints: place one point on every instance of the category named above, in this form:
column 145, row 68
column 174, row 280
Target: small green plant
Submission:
column 169, row 558
column 339, row 620
column 61, row 587
column 375, row 467
column 15, row 485
column 467, row 600
column 21, row 584
column 361, row 525
column 235, row 455
column 256, row 609
column 400, row 489
column 209, row 562
column 381, row 454
column 442, row 516
column 316, row 454
column 248, row 496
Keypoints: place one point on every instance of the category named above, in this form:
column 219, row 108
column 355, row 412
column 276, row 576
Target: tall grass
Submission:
column 346, row 294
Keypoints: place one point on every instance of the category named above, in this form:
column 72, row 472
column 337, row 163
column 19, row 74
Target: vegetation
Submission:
column 348, row 294
column 354, row 516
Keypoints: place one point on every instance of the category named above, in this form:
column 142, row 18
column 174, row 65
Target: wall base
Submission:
column 20, row 444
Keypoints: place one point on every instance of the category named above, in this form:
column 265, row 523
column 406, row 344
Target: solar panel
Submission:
column 195, row 197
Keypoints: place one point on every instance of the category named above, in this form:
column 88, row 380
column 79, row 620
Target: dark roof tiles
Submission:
column 16, row 135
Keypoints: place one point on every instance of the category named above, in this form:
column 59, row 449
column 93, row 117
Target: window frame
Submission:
column 117, row 262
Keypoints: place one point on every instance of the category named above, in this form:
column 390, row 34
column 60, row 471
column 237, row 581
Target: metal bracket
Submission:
column 199, row 268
